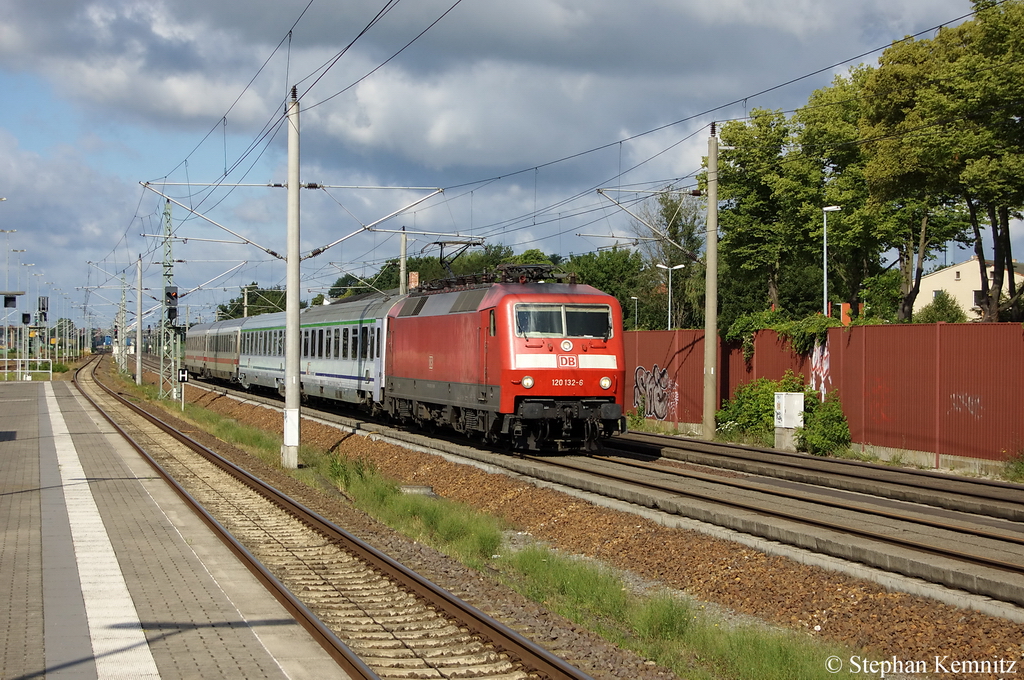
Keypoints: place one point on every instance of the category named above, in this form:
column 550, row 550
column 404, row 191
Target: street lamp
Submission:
column 670, row 270
column 636, row 308
column 7, row 289
column 824, row 254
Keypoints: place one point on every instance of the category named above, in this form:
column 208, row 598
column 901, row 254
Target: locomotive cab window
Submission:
column 563, row 321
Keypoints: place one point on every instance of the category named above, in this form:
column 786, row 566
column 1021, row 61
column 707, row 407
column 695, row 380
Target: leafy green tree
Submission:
column 909, row 172
column 882, row 295
column 532, row 256
column 616, row 272
column 672, row 225
column 254, row 301
column 829, row 135
column 770, row 192
column 979, row 85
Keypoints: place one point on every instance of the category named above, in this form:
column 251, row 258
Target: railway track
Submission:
column 905, row 522
column 963, row 494
column 375, row 617
column 968, row 552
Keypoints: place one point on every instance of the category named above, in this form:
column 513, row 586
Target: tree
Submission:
column 980, row 86
column 910, row 171
column 770, row 193
column 829, row 135
column 681, row 218
column 617, row 272
column 254, row 301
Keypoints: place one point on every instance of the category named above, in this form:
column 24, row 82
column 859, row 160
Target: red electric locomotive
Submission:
column 535, row 364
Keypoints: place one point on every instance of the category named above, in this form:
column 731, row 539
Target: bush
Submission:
column 751, row 413
column 750, row 416
column 943, row 308
column 825, row 429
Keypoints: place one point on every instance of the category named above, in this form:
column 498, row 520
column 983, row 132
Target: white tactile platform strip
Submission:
column 119, row 644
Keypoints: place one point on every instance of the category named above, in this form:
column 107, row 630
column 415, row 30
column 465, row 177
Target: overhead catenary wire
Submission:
column 516, row 223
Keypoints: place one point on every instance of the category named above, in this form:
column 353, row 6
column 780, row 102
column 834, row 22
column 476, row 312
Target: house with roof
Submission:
column 962, row 282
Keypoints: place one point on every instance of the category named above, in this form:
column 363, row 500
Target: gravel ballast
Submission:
column 773, row 589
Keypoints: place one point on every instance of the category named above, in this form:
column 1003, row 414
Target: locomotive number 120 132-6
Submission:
column 566, row 382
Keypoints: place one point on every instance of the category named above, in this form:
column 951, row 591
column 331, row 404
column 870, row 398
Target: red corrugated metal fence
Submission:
column 954, row 389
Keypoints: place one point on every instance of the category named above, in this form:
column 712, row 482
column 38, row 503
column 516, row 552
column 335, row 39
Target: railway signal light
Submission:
column 171, row 301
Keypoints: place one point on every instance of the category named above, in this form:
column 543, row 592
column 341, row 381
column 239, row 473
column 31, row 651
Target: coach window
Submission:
column 337, row 342
column 362, row 342
column 305, row 342
column 329, row 344
column 379, row 333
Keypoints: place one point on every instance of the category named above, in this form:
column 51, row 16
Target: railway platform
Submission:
column 106, row 573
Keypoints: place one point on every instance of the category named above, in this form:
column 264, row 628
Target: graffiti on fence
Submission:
column 965, row 403
column 654, row 391
column 820, row 360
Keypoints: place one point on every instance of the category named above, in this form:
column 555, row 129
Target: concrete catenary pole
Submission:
column 403, row 275
column 138, row 321
column 292, row 396
column 711, row 295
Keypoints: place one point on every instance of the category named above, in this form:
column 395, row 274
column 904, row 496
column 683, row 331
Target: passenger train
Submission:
column 511, row 357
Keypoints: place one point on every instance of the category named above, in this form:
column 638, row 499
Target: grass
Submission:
column 1013, row 470
column 662, row 627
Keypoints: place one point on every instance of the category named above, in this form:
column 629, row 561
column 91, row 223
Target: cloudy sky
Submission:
column 519, row 111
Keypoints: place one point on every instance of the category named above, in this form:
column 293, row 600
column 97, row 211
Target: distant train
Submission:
column 508, row 358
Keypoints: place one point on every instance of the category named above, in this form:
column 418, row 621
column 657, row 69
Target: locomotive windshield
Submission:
column 563, row 321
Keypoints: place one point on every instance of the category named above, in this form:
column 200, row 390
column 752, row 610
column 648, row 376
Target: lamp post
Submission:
column 636, row 309
column 824, row 254
column 23, row 345
column 670, row 270
column 7, row 288
column 35, row 320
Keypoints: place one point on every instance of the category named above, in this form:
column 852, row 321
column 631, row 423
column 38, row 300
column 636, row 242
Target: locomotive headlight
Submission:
column 606, row 383
column 527, row 381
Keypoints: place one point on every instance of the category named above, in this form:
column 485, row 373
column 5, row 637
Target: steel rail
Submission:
column 801, row 519
column 746, row 486
column 983, row 488
column 331, row 643
column 531, row 655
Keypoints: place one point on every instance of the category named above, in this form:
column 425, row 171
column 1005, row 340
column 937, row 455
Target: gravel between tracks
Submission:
column 773, row 589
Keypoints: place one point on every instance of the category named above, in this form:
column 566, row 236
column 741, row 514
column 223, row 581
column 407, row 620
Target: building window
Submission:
column 958, row 275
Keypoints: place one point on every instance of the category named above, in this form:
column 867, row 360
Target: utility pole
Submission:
column 138, row 322
column 120, row 344
column 403, row 275
column 168, row 314
column 292, row 386
column 711, row 295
